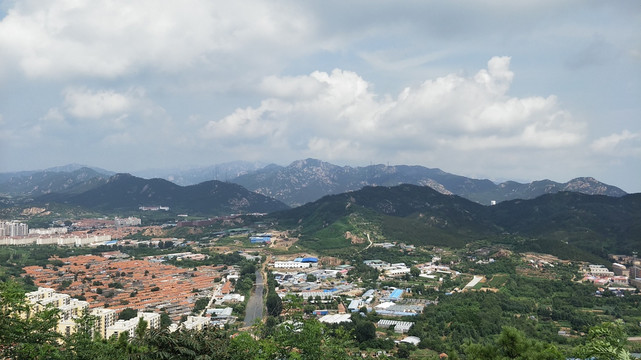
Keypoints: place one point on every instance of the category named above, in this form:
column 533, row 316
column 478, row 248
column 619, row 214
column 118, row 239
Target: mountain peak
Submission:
column 591, row 186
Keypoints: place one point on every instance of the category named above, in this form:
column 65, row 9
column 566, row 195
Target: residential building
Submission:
column 599, row 270
column 195, row 322
column 104, row 319
column 13, row 228
column 620, row 269
column 129, row 326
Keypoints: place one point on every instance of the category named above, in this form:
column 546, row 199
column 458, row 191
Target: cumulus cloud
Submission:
column 337, row 116
column 91, row 104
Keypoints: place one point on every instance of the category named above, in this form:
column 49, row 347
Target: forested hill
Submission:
column 420, row 215
column 124, row 192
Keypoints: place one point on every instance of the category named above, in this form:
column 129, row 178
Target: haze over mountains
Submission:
column 413, row 203
column 304, row 180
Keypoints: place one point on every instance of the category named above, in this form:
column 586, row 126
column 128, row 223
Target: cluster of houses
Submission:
column 619, row 278
column 428, row 270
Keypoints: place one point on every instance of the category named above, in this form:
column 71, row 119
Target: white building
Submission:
column 130, row 221
column 599, row 270
column 195, row 322
column 104, row 319
column 400, row 327
column 376, row 264
column 291, row 265
column 13, row 228
column 396, row 270
column 335, row 318
column 50, row 231
column 129, row 326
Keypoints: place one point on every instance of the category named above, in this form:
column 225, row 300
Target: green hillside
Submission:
column 124, row 192
column 570, row 225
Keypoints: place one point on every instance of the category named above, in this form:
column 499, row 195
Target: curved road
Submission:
column 254, row 308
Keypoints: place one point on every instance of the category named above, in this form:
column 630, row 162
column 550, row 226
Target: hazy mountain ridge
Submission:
column 57, row 180
column 308, row 180
column 124, row 192
column 222, row 172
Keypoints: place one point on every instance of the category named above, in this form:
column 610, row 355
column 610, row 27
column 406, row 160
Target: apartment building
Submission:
column 129, row 326
column 13, row 228
column 104, row 319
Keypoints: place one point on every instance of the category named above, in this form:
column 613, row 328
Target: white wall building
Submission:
column 291, row 265
column 129, row 326
column 13, row 228
column 599, row 270
column 50, row 231
column 195, row 322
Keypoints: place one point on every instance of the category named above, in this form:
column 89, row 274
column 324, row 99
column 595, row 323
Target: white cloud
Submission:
column 622, row 144
column 58, row 38
column 337, row 116
column 54, row 116
column 89, row 104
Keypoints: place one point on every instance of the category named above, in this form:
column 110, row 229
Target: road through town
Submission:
column 254, row 308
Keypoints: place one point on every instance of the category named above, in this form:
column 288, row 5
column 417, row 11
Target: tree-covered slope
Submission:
column 124, row 192
column 562, row 223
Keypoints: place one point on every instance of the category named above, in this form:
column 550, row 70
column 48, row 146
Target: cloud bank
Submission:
column 339, row 114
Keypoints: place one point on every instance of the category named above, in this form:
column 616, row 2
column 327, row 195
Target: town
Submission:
column 125, row 273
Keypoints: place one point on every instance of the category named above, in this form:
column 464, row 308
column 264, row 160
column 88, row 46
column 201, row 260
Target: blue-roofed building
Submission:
column 260, row 240
column 310, row 260
column 396, row 294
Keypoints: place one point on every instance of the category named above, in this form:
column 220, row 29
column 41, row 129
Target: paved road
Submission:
column 254, row 308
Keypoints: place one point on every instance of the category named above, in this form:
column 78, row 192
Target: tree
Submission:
column 165, row 320
column 127, row 314
column 311, row 278
column 512, row 344
column 364, row 331
column 81, row 345
column 274, row 304
column 200, row 305
column 606, row 342
column 25, row 333
column 414, row 271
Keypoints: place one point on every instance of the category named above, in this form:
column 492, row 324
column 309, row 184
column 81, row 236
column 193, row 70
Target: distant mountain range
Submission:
column 572, row 220
column 570, row 225
column 308, row 180
column 124, row 192
column 304, row 181
column 223, row 172
column 67, row 179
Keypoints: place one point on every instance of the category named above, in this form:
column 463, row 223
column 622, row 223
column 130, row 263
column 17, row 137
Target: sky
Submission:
column 497, row 89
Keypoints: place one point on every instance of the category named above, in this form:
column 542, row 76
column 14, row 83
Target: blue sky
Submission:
column 487, row 89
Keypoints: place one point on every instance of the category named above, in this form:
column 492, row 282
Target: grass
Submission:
column 497, row 281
